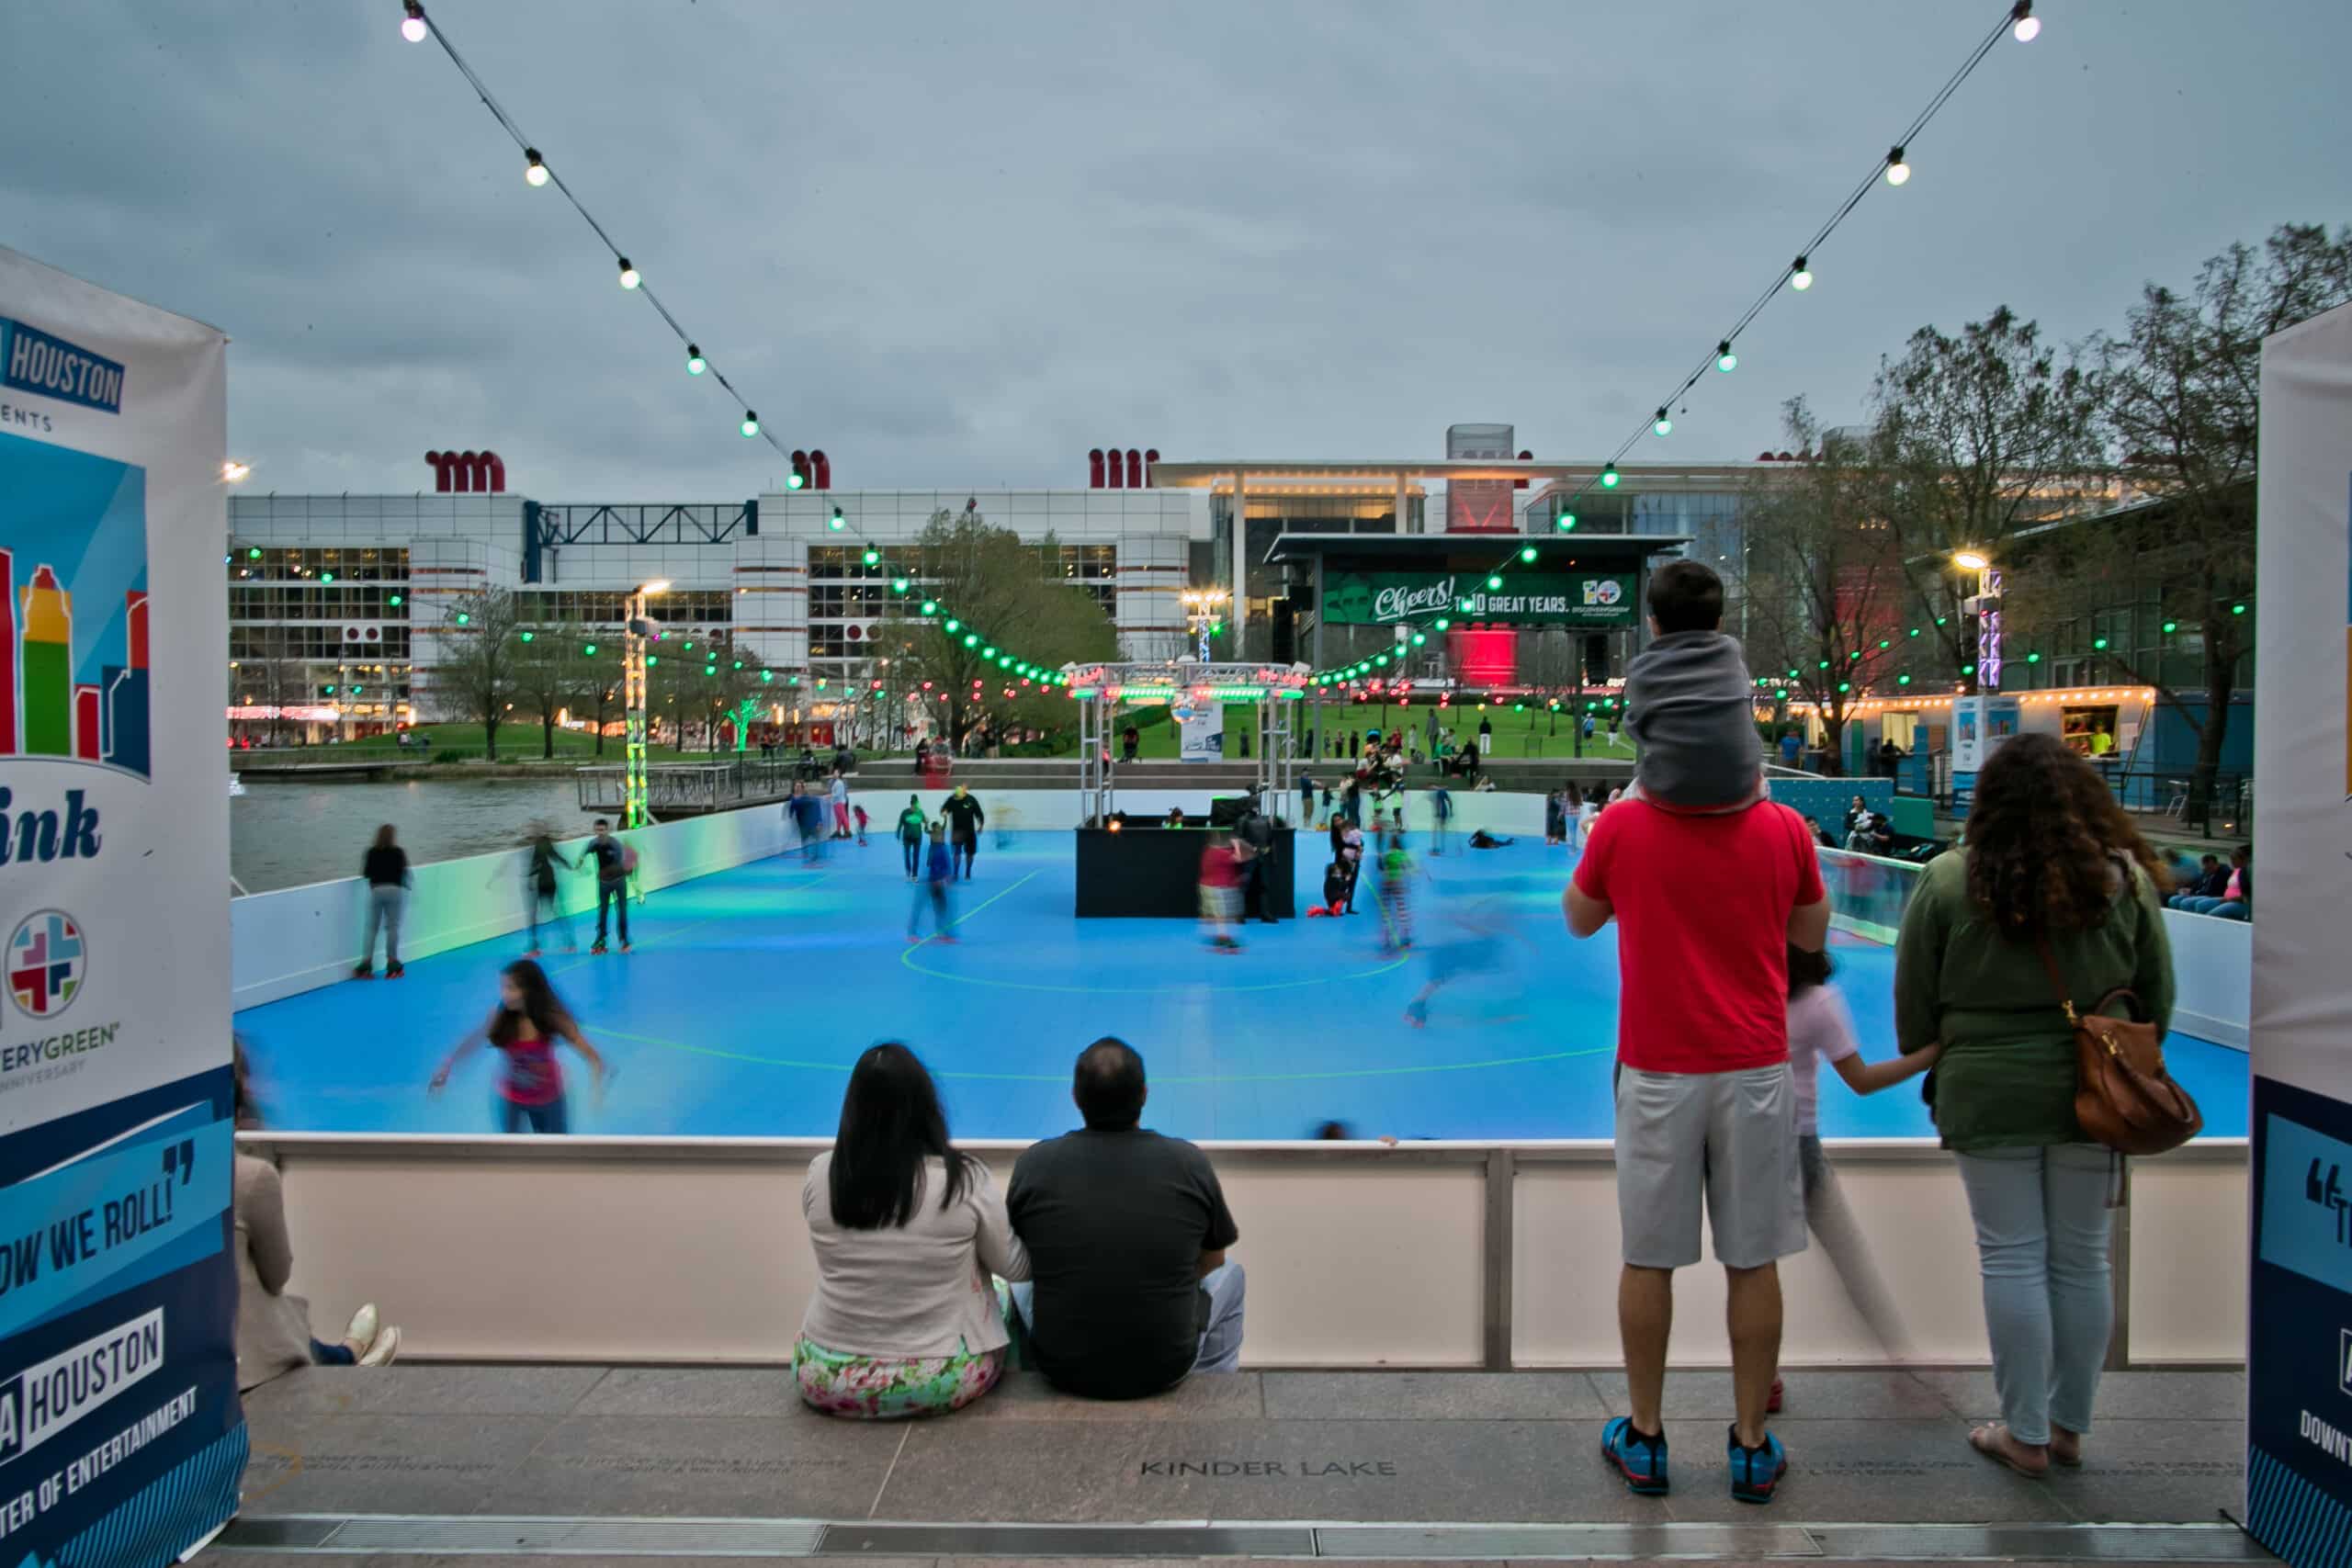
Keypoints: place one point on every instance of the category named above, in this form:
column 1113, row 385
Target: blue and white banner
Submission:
column 122, row 1439
column 2299, row 1320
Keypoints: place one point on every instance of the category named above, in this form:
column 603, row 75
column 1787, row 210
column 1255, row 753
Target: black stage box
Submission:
column 1145, row 869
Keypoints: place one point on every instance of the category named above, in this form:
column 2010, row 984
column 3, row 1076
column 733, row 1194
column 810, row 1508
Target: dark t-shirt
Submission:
column 611, row 865
column 384, row 865
column 1116, row 1223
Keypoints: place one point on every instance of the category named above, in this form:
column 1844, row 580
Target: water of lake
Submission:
column 283, row 835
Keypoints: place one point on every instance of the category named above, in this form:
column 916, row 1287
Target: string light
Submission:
column 2027, row 26
column 1527, row 553
column 1609, row 477
column 413, row 24
column 696, row 363
column 751, row 425
column 629, row 279
column 1567, row 524
column 1662, row 425
column 1897, row 171
column 1726, row 360
column 534, row 172
column 1801, row 275
column 836, row 522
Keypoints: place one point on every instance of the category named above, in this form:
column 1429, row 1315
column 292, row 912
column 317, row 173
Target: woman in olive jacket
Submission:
column 2047, row 858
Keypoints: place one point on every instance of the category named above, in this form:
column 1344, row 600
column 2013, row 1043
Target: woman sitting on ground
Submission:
column 2051, row 874
column 272, row 1328
column 907, row 1230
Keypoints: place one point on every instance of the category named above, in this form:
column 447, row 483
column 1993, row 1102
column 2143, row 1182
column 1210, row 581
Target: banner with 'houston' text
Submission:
column 121, row 1438
column 2299, row 1352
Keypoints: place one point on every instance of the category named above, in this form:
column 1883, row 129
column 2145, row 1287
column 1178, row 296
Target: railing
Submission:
column 683, row 787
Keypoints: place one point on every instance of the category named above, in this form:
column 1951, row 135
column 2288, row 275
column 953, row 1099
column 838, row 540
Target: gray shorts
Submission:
column 1728, row 1139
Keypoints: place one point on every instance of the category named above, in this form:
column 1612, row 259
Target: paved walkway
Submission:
column 617, row 1464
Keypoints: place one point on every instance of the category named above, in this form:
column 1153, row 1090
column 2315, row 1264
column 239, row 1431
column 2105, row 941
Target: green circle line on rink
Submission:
column 1192, row 1079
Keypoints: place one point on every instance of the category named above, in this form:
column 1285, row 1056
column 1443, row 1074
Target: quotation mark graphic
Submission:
column 179, row 1159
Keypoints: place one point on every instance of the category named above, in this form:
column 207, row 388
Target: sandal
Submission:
column 2070, row 1456
column 1993, row 1441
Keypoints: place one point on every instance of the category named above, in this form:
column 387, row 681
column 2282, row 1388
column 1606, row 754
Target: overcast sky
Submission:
column 957, row 245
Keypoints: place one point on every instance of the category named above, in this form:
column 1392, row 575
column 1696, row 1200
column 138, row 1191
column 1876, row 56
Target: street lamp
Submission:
column 637, row 626
column 1203, row 608
column 1985, row 605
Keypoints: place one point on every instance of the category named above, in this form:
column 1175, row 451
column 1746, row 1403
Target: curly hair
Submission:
column 2042, row 836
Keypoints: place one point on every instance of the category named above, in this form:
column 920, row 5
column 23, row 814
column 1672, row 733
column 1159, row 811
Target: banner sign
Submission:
column 1598, row 600
column 2299, row 1318
column 1200, row 727
column 121, row 1438
column 1979, row 725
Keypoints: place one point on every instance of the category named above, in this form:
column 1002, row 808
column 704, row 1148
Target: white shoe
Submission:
column 387, row 1345
column 362, row 1327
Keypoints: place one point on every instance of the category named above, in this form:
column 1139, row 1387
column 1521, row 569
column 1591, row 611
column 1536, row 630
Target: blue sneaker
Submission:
column 1754, row 1471
column 1640, row 1460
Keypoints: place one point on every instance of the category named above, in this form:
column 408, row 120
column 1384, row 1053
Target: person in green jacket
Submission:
column 2048, row 857
column 910, row 831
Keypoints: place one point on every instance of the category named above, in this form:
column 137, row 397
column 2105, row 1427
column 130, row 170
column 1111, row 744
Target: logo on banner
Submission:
column 47, row 959
column 2343, row 1362
column 2328, row 1195
column 1603, row 591
column 35, row 361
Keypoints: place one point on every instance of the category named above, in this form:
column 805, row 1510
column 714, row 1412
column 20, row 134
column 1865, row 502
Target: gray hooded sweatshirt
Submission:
column 1690, row 708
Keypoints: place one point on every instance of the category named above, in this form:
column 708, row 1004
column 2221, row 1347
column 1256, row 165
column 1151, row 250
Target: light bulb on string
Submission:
column 836, row 522
column 534, row 170
column 1800, row 275
column 1609, row 477
column 630, row 278
column 1897, row 171
column 2027, row 25
column 1726, row 360
column 1527, row 552
column 751, row 425
column 1663, row 424
column 696, row 363
column 413, row 23
column 1566, row 523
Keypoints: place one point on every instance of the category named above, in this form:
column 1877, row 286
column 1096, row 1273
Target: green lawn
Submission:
column 1517, row 735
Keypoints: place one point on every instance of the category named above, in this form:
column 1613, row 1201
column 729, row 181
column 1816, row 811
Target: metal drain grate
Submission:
column 460, row 1536
column 1469, row 1543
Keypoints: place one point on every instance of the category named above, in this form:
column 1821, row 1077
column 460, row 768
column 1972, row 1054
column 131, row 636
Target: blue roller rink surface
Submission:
column 751, row 992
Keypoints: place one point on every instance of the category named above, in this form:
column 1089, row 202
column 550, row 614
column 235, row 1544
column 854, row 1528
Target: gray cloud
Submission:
column 956, row 247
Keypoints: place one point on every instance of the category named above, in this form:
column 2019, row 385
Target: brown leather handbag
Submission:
column 2123, row 1097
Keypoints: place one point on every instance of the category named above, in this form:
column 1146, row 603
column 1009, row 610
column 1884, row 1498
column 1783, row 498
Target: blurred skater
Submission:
column 1221, row 871
column 1396, row 892
column 1470, row 942
column 540, row 887
column 385, row 865
column 525, row 1028
column 1821, row 1028
column 939, row 870
column 911, row 829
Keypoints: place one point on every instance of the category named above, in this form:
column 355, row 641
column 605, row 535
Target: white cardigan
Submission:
column 922, row 1289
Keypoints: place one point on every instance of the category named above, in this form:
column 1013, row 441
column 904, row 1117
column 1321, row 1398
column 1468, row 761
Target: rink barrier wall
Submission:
column 1438, row 1254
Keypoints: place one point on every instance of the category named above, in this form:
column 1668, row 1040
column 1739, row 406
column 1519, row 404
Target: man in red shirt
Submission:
column 1705, row 906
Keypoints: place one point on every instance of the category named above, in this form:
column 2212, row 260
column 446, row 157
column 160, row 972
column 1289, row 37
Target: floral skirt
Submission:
column 888, row 1389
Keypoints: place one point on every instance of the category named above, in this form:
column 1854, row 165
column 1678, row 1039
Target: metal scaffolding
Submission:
column 1101, row 689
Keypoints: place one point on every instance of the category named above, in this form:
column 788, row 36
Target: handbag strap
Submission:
column 2057, row 979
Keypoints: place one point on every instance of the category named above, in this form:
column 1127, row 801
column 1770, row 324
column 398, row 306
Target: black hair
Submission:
column 245, row 1110
column 1686, row 597
column 2241, row 855
column 1108, row 1085
column 603, row 822
column 540, row 1005
column 1808, row 969
column 891, row 1122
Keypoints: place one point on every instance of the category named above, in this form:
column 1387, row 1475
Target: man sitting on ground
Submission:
column 1126, row 1231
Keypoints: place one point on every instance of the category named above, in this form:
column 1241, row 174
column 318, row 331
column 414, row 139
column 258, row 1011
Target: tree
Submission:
column 480, row 648
column 554, row 672
column 1979, row 435
column 274, row 677
column 1826, row 573
column 984, row 585
column 2178, row 395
